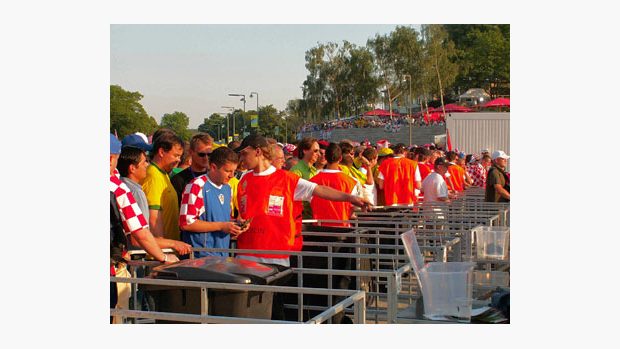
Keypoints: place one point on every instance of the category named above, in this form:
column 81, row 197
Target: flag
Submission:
column 448, row 140
column 253, row 120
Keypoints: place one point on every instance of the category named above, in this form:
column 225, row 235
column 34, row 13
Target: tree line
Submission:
column 402, row 68
column 405, row 68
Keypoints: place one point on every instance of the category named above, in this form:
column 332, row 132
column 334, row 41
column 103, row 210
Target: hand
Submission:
column 244, row 224
column 171, row 259
column 361, row 202
column 181, row 248
column 231, row 228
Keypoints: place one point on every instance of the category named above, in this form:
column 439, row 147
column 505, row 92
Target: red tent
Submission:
column 498, row 102
column 450, row 108
column 455, row 108
column 380, row 112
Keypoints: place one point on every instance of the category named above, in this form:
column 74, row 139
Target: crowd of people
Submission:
column 367, row 122
column 256, row 192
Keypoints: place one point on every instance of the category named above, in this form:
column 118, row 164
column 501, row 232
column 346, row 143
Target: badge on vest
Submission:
column 221, row 197
column 276, row 206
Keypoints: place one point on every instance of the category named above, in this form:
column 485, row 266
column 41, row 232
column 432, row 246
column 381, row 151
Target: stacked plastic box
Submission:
column 446, row 287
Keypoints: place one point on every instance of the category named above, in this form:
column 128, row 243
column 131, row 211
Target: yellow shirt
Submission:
column 233, row 182
column 160, row 195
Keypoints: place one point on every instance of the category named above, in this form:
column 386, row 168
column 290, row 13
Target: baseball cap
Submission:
column 485, row 151
column 499, row 154
column 115, row 145
column 323, row 144
column 385, row 152
column 134, row 140
column 254, row 141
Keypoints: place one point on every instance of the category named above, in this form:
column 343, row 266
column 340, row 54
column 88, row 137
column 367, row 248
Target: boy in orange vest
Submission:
column 399, row 177
column 332, row 177
column 267, row 196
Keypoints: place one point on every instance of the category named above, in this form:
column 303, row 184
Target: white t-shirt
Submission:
column 434, row 186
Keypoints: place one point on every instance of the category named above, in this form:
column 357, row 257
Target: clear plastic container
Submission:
column 491, row 278
column 492, row 242
column 446, row 287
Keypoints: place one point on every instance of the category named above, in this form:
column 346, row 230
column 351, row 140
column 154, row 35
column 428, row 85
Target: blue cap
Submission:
column 136, row 141
column 115, row 145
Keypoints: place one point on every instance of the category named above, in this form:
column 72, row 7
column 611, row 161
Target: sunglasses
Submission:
column 202, row 155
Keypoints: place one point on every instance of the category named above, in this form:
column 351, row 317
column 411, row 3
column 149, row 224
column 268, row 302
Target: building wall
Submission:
column 472, row 132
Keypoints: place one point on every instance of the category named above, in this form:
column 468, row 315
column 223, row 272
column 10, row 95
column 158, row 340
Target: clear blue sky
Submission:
column 193, row 68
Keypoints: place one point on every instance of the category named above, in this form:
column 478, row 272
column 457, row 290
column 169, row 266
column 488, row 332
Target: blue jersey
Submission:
column 217, row 209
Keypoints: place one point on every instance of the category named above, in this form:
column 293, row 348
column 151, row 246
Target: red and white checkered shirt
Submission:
column 131, row 215
column 192, row 201
column 478, row 174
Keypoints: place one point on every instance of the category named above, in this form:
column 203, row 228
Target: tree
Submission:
column 439, row 53
column 127, row 115
column 178, row 122
column 215, row 125
column 385, row 59
column 408, row 54
column 483, row 54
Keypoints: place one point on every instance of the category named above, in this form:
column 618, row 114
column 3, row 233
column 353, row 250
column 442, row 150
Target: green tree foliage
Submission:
column 127, row 115
column 407, row 50
column 386, row 67
column 439, row 55
column 215, row 125
column 362, row 83
column 484, row 54
column 179, row 123
column 268, row 119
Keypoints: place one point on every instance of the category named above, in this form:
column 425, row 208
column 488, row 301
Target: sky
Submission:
column 193, row 68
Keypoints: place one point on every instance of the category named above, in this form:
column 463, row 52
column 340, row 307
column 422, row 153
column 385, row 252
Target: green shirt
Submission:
column 303, row 170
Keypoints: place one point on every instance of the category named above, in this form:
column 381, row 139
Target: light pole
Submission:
column 243, row 100
column 228, row 124
column 408, row 77
column 255, row 93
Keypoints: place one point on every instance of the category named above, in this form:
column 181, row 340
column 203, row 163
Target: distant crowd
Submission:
column 367, row 123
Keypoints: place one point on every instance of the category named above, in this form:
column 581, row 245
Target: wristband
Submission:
column 165, row 258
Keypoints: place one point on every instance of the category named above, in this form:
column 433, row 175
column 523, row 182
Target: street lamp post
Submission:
column 228, row 123
column 408, row 77
column 243, row 100
column 255, row 93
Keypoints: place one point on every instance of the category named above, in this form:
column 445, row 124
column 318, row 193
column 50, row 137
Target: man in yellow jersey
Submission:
column 160, row 194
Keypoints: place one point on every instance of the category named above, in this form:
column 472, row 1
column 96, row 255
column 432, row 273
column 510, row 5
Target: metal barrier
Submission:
column 353, row 299
column 382, row 271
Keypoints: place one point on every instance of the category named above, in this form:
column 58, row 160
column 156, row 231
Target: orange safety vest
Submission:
column 268, row 200
column 399, row 181
column 456, row 174
column 327, row 209
column 298, row 208
column 425, row 169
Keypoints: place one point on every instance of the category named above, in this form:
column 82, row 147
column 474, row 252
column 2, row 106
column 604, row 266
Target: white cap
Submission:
column 499, row 154
column 484, row 150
